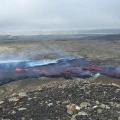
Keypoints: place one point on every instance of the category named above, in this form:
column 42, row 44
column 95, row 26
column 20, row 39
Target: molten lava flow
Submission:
column 93, row 68
column 18, row 69
column 67, row 68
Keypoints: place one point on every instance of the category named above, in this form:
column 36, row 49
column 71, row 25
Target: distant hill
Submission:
column 104, row 37
column 102, row 31
column 60, row 32
column 45, row 37
column 99, row 34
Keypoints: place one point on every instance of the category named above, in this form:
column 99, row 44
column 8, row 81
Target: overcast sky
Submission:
column 59, row 14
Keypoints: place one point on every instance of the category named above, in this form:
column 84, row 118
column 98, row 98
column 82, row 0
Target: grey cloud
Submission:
column 62, row 14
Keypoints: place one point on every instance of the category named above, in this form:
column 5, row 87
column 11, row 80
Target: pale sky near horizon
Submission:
column 59, row 14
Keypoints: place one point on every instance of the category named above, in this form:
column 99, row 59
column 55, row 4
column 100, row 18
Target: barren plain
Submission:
column 105, row 51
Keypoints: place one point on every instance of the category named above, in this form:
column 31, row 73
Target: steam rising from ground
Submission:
column 11, row 56
column 47, row 61
column 31, row 50
column 8, row 64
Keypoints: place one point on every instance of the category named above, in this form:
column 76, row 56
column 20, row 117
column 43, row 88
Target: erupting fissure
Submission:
column 67, row 68
column 19, row 69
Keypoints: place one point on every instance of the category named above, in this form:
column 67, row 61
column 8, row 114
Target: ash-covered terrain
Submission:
column 38, row 102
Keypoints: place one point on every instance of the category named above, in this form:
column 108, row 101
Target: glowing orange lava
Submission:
column 18, row 69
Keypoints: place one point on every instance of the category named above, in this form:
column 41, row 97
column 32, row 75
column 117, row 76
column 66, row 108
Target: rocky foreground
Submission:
column 65, row 100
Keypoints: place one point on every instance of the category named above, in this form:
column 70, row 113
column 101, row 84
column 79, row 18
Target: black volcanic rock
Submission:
column 50, row 102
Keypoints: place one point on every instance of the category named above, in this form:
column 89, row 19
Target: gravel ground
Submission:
column 66, row 100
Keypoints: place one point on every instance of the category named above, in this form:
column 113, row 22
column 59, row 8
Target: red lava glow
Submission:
column 79, row 67
column 18, row 69
column 93, row 68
